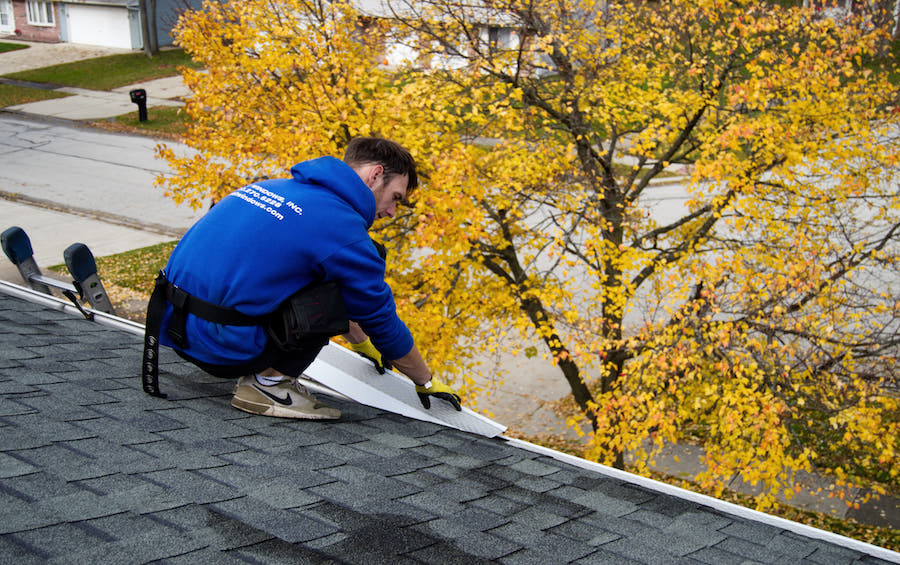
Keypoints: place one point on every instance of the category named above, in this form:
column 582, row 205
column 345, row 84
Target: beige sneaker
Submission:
column 287, row 399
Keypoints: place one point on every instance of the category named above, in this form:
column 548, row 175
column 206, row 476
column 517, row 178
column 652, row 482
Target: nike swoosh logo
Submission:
column 286, row 401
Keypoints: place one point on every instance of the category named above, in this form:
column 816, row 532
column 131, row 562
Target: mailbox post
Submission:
column 139, row 97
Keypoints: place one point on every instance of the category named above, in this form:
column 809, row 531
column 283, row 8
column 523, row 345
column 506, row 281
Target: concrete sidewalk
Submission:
column 83, row 104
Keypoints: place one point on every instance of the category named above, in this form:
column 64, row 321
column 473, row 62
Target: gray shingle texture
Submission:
column 92, row 470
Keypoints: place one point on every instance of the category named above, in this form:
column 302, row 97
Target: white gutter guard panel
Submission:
column 354, row 377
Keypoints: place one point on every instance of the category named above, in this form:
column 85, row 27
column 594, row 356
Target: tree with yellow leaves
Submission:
column 751, row 307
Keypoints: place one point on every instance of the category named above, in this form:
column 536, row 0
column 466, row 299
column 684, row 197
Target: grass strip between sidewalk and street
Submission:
column 11, row 95
column 167, row 122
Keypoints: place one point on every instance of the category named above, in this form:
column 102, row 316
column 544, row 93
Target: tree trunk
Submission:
column 895, row 35
column 148, row 27
column 151, row 26
column 534, row 308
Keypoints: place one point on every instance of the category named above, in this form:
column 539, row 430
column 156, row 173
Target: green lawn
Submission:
column 4, row 47
column 167, row 120
column 113, row 71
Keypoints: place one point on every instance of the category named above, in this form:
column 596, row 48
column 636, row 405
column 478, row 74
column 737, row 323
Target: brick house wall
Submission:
column 26, row 31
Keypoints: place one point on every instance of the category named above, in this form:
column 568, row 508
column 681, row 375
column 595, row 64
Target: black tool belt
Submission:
column 311, row 314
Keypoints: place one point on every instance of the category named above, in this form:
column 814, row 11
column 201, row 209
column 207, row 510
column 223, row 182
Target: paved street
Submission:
column 57, row 179
column 86, row 168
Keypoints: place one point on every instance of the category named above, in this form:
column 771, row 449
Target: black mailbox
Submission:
column 139, row 97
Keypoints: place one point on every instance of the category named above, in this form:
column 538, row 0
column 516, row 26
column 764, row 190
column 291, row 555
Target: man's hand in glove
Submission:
column 437, row 389
column 367, row 350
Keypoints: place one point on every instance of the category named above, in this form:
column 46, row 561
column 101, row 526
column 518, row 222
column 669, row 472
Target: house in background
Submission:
column 107, row 23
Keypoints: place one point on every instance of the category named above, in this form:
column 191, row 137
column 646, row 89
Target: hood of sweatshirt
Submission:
column 338, row 177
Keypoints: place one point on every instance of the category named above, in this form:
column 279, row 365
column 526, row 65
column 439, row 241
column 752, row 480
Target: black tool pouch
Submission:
column 309, row 316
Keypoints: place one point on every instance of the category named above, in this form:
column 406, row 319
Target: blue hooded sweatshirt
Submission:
column 262, row 243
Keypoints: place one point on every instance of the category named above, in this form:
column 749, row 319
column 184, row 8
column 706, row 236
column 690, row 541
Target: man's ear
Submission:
column 373, row 174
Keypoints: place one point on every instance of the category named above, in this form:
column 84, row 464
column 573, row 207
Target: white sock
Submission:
column 269, row 381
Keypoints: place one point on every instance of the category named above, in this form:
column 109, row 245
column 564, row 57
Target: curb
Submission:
column 107, row 217
column 30, row 84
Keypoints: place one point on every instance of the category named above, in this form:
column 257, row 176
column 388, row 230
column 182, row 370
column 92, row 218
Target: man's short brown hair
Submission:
column 392, row 156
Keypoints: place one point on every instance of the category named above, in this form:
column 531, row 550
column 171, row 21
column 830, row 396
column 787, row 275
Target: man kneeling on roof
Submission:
column 258, row 285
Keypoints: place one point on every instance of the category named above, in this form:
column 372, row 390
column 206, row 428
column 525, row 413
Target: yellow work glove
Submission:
column 437, row 389
column 367, row 350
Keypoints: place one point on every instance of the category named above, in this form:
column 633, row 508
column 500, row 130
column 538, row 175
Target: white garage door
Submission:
column 99, row 25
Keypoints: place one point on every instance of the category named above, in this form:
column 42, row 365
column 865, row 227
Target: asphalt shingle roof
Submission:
column 92, row 470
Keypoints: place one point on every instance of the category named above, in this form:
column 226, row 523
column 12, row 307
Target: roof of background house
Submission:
column 93, row 470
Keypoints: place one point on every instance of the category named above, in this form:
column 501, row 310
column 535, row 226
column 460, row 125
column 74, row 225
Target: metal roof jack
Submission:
column 85, row 286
